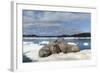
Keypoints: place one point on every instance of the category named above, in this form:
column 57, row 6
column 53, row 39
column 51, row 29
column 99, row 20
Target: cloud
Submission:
column 42, row 22
column 51, row 16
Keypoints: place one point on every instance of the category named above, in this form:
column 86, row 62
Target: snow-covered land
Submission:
column 31, row 50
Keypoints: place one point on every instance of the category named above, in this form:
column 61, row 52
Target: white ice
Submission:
column 31, row 51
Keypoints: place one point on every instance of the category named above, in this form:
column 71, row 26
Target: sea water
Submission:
column 83, row 43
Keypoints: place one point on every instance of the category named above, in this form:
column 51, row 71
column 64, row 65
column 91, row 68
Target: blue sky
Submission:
column 48, row 23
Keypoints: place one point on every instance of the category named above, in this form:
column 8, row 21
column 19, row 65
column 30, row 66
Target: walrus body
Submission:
column 54, row 48
column 72, row 48
column 66, row 48
column 57, row 47
column 44, row 51
column 62, row 47
column 48, row 50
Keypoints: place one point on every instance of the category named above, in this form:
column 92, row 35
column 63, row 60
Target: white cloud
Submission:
column 50, row 17
column 54, row 19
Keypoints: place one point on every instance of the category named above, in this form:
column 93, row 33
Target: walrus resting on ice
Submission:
column 57, row 47
column 70, row 48
column 49, row 49
column 44, row 51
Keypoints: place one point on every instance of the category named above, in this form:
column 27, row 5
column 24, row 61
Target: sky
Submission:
column 52, row 23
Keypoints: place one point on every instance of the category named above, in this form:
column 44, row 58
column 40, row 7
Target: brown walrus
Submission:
column 72, row 48
column 67, row 48
column 49, row 49
column 54, row 47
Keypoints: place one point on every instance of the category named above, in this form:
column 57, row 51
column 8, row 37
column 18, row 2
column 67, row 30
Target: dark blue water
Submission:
column 82, row 43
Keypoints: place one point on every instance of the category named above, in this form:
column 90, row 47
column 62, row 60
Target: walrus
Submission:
column 66, row 48
column 72, row 48
column 51, row 48
column 62, row 47
column 44, row 51
column 54, row 48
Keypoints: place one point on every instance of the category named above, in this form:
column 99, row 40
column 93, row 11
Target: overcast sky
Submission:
column 50, row 23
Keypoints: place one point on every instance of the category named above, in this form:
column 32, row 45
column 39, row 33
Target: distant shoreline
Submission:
column 63, row 35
